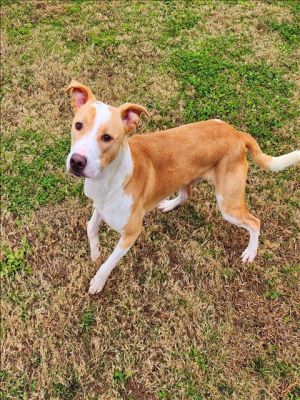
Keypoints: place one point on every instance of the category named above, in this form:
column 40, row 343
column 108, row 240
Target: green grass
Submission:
column 181, row 21
column 14, row 260
column 120, row 376
column 216, row 83
column 105, row 39
column 289, row 32
column 269, row 366
column 34, row 172
column 87, row 320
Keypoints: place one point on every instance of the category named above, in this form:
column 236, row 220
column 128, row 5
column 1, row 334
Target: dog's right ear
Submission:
column 80, row 94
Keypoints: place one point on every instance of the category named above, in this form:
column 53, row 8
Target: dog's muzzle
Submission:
column 78, row 164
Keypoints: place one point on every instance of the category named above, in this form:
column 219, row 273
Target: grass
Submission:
column 288, row 31
column 211, row 75
column 31, row 178
column 181, row 317
column 14, row 260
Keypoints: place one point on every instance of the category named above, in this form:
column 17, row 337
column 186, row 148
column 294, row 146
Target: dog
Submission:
column 127, row 177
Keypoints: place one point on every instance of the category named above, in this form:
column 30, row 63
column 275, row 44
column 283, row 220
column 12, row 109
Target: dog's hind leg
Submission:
column 92, row 232
column 230, row 191
column 168, row 205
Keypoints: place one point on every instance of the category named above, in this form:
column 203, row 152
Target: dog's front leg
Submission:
column 124, row 244
column 92, row 232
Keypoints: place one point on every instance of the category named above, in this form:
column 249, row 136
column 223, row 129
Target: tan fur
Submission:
column 172, row 159
column 169, row 160
column 86, row 115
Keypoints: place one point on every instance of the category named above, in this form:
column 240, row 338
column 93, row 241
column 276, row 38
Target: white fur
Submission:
column 282, row 162
column 98, row 282
column 88, row 146
column 114, row 206
column 220, row 199
column 92, row 232
column 106, row 191
column 217, row 120
column 168, row 205
column 250, row 252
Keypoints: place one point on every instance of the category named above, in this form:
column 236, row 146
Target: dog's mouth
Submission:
column 78, row 174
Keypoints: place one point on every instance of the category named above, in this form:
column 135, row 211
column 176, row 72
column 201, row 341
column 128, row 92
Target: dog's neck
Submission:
column 114, row 175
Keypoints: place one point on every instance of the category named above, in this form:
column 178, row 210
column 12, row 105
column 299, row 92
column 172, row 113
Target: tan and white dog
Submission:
column 126, row 178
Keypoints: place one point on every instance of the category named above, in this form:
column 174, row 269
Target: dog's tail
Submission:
column 268, row 162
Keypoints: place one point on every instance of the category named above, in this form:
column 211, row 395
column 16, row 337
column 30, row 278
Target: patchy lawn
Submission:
column 181, row 317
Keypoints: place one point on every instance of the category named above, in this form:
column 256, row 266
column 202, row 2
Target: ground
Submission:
column 181, row 317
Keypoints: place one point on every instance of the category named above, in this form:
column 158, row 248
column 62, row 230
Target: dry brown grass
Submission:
column 181, row 317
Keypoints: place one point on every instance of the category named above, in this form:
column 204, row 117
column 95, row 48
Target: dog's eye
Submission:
column 106, row 138
column 78, row 125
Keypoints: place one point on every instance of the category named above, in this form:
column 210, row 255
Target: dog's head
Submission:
column 98, row 131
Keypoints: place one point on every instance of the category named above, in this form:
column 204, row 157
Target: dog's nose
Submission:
column 78, row 163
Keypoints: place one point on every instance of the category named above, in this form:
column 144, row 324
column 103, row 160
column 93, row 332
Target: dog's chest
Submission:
column 113, row 204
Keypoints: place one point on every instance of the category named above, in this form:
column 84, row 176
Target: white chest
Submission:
column 112, row 203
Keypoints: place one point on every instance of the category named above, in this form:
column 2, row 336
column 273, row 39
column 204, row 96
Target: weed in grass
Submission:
column 200, row 358
column 3, row 375
column 87, row 320
column 229, row 274
column 14, row 260
column 163, row 394
column 73, row 9
column 121, row 376
column 272, row 292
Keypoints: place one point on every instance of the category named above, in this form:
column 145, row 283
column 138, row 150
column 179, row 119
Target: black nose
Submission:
column 78, row 163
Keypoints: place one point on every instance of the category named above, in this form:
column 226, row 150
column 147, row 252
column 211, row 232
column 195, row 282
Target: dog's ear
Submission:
column 80, row 94
column 130, row 114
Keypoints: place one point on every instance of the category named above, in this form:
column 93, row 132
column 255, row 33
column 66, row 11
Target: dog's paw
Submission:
column 168, row 205
column 248, row 255
column 95, row 254
column 96, row 284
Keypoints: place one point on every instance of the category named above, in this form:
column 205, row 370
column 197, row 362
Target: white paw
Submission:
column 96, row 284
column 248, row 255
column 95, row 254
column 168, row 205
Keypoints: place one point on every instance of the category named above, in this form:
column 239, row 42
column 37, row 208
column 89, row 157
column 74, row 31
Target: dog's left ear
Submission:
column 80, row 94
column 130, row 114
